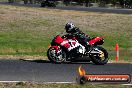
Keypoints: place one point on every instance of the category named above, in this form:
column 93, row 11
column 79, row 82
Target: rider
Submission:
column 72, row 31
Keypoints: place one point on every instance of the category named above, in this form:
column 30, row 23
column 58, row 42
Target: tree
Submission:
column 66, row 2
column 25, row 1
column 11, row 1
column 87, row 2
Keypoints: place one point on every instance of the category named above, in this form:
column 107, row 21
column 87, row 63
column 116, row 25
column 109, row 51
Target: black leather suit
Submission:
column 80, row 36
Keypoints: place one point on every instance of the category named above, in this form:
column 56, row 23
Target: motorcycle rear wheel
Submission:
column 54, row 57
column 101, row 58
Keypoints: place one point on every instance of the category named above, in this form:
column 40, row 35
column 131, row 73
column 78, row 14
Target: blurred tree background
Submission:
column 87, row 3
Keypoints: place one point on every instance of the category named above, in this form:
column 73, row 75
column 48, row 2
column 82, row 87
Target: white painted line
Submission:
column 60, row 82
column 49, row 82
column 12, row 81
column 35, row 81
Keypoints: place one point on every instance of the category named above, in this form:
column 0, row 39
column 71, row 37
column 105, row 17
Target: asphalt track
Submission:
column 44, row 71
column 77, row 8
column 97, row 9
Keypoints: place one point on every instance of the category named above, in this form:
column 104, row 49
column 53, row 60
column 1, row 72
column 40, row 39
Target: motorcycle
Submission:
column 64, row 49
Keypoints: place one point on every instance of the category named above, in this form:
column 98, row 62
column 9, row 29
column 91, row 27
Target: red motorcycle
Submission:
column 63, row 49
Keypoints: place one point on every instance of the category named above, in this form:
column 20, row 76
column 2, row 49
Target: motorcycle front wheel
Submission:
column 100, row 58
column 56, row 56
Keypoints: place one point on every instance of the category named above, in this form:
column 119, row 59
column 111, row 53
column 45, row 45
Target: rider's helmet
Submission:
column 69, row 27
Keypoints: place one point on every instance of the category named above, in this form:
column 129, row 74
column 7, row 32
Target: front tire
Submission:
column 55, row 57
column 102, row 58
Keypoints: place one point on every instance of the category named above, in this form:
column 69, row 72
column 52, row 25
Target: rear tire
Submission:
column 97, row 59
column 53, row 57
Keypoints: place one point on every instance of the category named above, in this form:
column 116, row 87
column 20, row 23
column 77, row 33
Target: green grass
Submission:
column 28, row 31
column 23, row 40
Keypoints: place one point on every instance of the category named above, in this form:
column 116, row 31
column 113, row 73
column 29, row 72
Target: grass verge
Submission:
column 41, row 85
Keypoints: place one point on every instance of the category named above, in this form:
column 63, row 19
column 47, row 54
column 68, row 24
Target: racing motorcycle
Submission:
column 63, row 49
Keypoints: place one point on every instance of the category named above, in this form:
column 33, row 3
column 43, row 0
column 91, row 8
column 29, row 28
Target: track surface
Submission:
column 77, row 8
column 97, row 9
column 44, row 71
